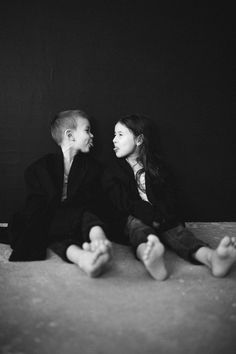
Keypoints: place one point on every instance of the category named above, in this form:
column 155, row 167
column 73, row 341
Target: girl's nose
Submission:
column 91, row 135
column 114, row 139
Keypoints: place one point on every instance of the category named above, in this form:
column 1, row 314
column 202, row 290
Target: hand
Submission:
column 155, row 224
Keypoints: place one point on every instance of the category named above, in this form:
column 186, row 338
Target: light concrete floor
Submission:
column 52, row 307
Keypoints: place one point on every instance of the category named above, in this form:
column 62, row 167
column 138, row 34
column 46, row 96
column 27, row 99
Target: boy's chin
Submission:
column 85, row 150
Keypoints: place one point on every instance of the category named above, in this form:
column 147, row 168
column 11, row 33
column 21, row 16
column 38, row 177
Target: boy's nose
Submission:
column 114, row 139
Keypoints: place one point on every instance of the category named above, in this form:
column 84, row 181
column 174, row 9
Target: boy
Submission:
column 63, row 201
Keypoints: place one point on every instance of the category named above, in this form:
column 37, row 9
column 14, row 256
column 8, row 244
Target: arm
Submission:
column 120, row 196
column 166, row 204
column 31, row 242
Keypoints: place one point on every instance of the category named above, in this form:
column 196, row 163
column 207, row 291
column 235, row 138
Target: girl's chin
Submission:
column 118, row 155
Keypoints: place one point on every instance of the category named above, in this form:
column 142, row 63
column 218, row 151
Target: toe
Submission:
column 152, row 238
column 225, row 241
column 107, row 243
column 86, row 246
column 233, row 241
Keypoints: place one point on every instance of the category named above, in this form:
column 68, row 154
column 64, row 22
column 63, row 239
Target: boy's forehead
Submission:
column 82, row 122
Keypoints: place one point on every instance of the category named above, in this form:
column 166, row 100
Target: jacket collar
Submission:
column 77, row 174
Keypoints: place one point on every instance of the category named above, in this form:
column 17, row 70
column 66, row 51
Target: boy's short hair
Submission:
column 63, row 121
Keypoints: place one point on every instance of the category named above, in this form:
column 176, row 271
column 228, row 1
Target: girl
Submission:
column 139, row 189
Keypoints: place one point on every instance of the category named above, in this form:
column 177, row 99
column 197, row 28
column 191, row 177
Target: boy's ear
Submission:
column 139, row 139
column 68, row 133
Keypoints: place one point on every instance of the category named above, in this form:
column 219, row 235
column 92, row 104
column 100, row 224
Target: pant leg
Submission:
column 90, row 220
column 76, row 232
column 183, row 242
column 137, row 231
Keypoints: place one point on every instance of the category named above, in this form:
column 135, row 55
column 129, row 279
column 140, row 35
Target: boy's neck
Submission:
column 68, row 153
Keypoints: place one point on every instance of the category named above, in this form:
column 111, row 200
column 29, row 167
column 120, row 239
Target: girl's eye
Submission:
column 117, row 134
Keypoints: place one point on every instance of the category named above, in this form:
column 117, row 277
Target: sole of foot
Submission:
column 224, row 256
column 153, row 258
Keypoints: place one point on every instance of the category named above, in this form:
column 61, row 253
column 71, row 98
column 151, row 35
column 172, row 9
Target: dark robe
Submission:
column 45, row 218
column 120, row 185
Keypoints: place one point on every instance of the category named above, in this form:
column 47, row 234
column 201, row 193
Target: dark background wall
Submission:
column 112, row 58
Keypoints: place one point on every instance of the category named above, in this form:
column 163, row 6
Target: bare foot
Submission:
column 103, row 244
column 153, row 258
column 224, row 256
column 94, row 263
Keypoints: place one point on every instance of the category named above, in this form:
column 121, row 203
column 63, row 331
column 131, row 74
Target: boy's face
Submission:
column 124, row 142
column 83, row 138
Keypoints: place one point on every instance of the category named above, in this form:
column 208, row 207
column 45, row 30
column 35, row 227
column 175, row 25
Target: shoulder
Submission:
column 42, row 163
column 118, row 169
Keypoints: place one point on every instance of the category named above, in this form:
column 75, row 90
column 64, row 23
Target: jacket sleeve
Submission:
column 30, row 243
column 35, row 198
column 168, row 204
column 119, row 196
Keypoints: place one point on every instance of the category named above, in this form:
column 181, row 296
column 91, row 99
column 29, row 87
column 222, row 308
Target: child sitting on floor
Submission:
column 144, row 201
column 63, row 201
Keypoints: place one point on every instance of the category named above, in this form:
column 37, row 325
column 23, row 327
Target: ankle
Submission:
column 204, row 256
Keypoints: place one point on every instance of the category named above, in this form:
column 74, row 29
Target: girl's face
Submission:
column 125, row 142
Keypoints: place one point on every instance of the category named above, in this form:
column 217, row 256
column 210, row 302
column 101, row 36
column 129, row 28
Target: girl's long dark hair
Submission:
column 148, row 158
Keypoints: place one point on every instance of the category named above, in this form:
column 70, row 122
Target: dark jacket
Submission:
column 120, row 185
column 45, row 214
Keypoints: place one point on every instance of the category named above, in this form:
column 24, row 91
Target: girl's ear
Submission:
column 139, row 140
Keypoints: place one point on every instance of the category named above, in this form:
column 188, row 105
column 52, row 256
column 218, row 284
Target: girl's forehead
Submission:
column 121, row 127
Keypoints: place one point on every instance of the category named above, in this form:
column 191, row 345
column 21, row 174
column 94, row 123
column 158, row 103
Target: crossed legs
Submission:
column 95, row 256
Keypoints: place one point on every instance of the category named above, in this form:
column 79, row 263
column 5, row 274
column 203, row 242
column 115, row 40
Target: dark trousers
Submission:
column 30, row 236
column 75, row 231
column 178, row 239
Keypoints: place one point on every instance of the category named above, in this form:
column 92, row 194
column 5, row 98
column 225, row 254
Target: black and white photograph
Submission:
column 117, row 177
